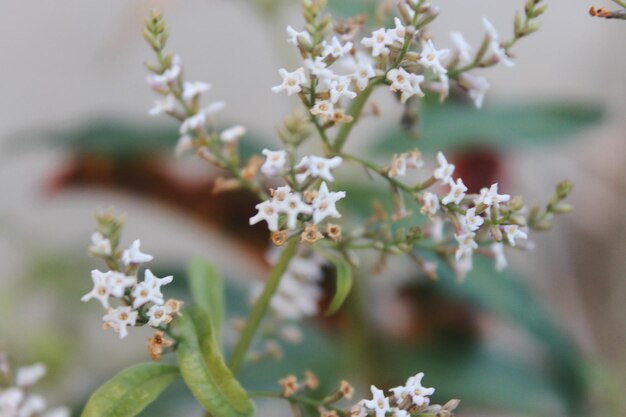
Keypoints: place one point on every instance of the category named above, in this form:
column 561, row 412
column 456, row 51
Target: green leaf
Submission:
column 343, row 285
column 130, row 391
column 204, row 371
column 207, row 291
column 448, row 125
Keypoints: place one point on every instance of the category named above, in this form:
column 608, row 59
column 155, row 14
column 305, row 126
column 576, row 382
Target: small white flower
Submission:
column 363, row 73
column 466, row 244
column 27, row 376
column 185, row 143
column 194, row 122
column 398, row 166
column 379, row 404
column 445, row 170
column 470, row 220
column 162, row 82
column 430, row 204
column 513, row 232
column 414, row 159
column 490, row 197
column 494, row 45
column 340, row 88
column 336, row 49
column 158, row 315
column 232, row 134
column 398, row 33
column 464, row 49
column 324, row 203
column 442, row 86
column 476, row 87
column 100, row 245
column 101, row 288
column 292, row 81
column 193, row 89
column 457, row 192
column 133, row 255
column 293, row 206
column 378, row 42
column 33, row 405
column 406, row 83
column 324, row 109
column 275, row 162
column 413, row 389
column 150, row 289
column 317, row 167
column 497, row 249
column 165, row 105
column 118, row 282
column 397, row 412
column 295, row 36
column 119, row 318
column 267, row 212
column 431, row 58
column 319, row 68
column 10, row 400
column 463, row 265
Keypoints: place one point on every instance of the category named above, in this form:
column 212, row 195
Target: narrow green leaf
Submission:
column 207, row 290
column 204, row 371
column 130, row 391
column 343, row 284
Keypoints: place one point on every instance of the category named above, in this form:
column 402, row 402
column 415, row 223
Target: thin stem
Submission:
column 260, row 307
column 296, row 399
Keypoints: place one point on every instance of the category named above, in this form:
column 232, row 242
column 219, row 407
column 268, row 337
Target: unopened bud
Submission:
column 563, row 189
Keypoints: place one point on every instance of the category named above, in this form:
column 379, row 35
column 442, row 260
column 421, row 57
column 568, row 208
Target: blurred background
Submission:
column 546, row 338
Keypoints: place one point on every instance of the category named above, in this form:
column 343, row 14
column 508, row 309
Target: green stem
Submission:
column 355, row 112
column 296, row 399
column 260, row 307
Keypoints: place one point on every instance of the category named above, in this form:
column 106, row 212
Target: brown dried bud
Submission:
column 279, row 237
column 333, row 231
column 156, row 344
column 289, row 385
column 310, row 380
column 251, row 170
column 222, row 184
column 311, row 234
column 347, row 391
column 173, row 306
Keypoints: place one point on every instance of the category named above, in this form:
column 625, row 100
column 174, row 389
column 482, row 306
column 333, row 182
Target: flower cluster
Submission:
column 16, row 400
column 138, row 302
column 404, row 401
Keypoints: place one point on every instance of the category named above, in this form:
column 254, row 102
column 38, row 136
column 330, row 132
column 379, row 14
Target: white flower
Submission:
column 463, row 48
column 324, row 203
column 317, row 167
column 295, row 36
column 430, row 57
column 232, row 134
column 413, row 389
column 119, row 318
column 100, row 245
column 101, row 288
column 494, row 45
column 319, row 68
column 268, row 212
column 490, row 196
column 133, row 255
column 463, row 265
column 193, row 123
column 398, row 33
column 336, row 49
column 185, row 143
column 293, row 206
column 193, row 89
column 363, row 73
column 470, row 220
column 406, row 83
column 497, row 249
column 10, row 400
column 476, row 87
column 397, row 412
column 445, row 170
column 161, row 82
column 466, row 244
column 27, row 376
column 414, row 159
column 118, row 282
column 165, row 105
column 457, row 192
column 149, row 289
column 378, row 42
column 398, row 165
column 292, row 81
column 339, row 88
column 442, row 86
column 513, row 232
column 379, row 404
column 33, row 405
column 430, row 204
column 275, row 162
column 158, row 315
column 324, row 109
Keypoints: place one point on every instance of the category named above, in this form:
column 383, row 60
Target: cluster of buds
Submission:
column 290, row 386
column 406, row 400
column 16, row 398
column 138, row 302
